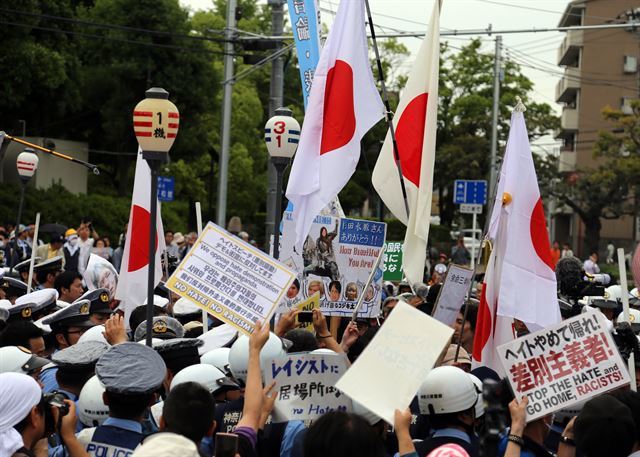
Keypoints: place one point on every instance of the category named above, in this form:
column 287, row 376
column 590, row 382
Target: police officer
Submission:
column 76, row 365
column 178, row 353
column 163, row 327
column 22, row 270
column 67, row 325
column 46, row 272
column 130, row 373
column 99, row 309
column 186, row 311
column 11, row 288
column 42, row 302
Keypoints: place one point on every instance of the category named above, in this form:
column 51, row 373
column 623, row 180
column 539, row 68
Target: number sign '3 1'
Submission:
column 282, row 133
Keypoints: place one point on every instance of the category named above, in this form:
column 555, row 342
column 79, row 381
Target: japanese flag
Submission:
column 343, row 105
column 132, row 282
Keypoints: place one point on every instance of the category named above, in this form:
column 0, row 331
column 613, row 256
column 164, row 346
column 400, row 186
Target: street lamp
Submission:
column 27, row 164
column 155, row 123
column 281, row 133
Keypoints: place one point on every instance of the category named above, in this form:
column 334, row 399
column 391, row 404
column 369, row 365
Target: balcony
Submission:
column 569, row 119
column 568, row 86
column 569, row 51
column 567, row 161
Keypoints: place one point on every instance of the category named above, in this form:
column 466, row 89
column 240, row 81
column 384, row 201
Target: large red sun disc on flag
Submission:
column 339, row 118
column 539, row 235
column 139, row 246
column 410, row 137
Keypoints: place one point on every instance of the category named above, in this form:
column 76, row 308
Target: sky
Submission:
column 531, row 49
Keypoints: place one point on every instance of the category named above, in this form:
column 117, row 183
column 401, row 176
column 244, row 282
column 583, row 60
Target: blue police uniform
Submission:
column 114, row 438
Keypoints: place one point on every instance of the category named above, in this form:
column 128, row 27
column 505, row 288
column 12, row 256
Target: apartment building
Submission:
column 600, row 69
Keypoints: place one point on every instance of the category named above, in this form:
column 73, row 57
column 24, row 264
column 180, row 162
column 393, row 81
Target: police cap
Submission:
column 163, row 327
column 131, row 368
column 74, row 315
column 99, row 301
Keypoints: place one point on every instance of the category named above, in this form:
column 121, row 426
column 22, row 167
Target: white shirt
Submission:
column 591, row 267
column 85, row 251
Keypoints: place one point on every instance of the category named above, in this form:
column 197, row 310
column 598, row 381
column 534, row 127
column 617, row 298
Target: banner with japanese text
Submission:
column 565, row 364
column 393, row 261
column 230, row 279
column 304, row 15
column 451, row 297
column 306, row 385
column 336, row 260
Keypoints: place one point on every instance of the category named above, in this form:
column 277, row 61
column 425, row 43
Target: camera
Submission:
column 54, row 400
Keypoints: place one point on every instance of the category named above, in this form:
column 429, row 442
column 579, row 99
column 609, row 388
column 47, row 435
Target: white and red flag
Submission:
column 415, row 127
column 343, row 105
column 132, row 282
column 520, row 282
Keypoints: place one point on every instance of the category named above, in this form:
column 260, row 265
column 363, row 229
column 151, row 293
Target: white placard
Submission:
column 565, row 364
column 100, row 273
column 306, row 385
column 452, row 294
column 397, row 360
column 231, row 279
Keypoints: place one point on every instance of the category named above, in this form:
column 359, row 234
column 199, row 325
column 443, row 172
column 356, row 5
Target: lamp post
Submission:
column 281, row 133
column 155, row 123
column 27, row 164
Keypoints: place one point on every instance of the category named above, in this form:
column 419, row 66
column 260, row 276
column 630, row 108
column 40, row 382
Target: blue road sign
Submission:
column 166, row 184
column 472, row 192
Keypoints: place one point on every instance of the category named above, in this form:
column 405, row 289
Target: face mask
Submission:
column 73, row 241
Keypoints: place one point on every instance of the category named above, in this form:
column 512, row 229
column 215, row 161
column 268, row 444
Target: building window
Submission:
column 625, row 106
column 630, row 64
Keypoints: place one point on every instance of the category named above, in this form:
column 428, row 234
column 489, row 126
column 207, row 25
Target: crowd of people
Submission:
column 77, row 380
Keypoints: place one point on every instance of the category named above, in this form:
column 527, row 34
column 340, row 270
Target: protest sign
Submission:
column 100, row 273
column 231, row 279
column 336, row 260
column 451, row 296
column 397, row 360
column 562, row 365
column 393, row 261
column 306, row 385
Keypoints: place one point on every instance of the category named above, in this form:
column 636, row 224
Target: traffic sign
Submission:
column 467, row 208
column 166, row 185
column 470, row 192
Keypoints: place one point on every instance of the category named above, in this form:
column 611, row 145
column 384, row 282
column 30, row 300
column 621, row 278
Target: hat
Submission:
column 74, row 315
column 163, row 327
column 18, row 394
column 21, row 312
column 57, row 238
column 185, row 307
column 603, row 303
column 159, row 301
column 605, row 427
column 178, row 238
column 179, row 353
column 12, row 287
column 21, row 228
column 82, row 356
column 220, row 336
column 131, row 368
column 166, row 444
column 99, row 300
column 70, row 232
column 422, row 290
column 634, row 320
column 39, row 300
column 17, row 359
column 450, row 356
column 23, row 267
column 53, row 264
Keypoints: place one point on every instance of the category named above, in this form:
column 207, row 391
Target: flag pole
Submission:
column 33, row 253
column 625, row 310
column 518, row 108
column 388, row 113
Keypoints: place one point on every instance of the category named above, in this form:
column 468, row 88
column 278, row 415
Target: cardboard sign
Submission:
column 397, row 360
column 336, row 260
column 306, row 385
column 451, row 297
column 565, row 364
column 231, row 279
column 392, row 270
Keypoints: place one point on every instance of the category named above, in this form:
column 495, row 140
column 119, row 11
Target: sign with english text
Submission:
column 563, row 365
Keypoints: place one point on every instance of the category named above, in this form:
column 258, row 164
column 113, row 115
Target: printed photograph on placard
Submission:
column 335, row 262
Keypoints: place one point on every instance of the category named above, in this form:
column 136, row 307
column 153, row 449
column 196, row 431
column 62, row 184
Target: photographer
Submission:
column 26, row 419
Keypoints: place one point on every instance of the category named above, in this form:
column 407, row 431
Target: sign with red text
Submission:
column 565, row 364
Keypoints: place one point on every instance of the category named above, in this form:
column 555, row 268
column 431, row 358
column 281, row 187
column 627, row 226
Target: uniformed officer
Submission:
column 11, row 288
column 607, row 306
column 20, row 360
column 178, row 353
column 46, row 272
column 131, row 373
column 163, row 327
column 43, row 302
column 22, row 270
column 99, row 309
column 76, row 365
column 186, row 311
column 18, row 312
column 67, row 325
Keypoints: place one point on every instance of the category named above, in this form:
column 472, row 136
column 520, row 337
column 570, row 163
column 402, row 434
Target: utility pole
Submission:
column 493, row 172
column 275, row 102
column 223, row 169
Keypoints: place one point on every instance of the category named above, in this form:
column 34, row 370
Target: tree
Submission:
column 608, row 190
column 464, row 117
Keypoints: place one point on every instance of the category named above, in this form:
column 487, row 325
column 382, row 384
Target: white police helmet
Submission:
column 480, row 402
column 447, row 390
column 239, row 355
column 94, row 334
column 219, row 358
column 91, row 408
column 206, row 375
column 16, row 359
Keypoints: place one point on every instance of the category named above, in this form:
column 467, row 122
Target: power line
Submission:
column 531, row 8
